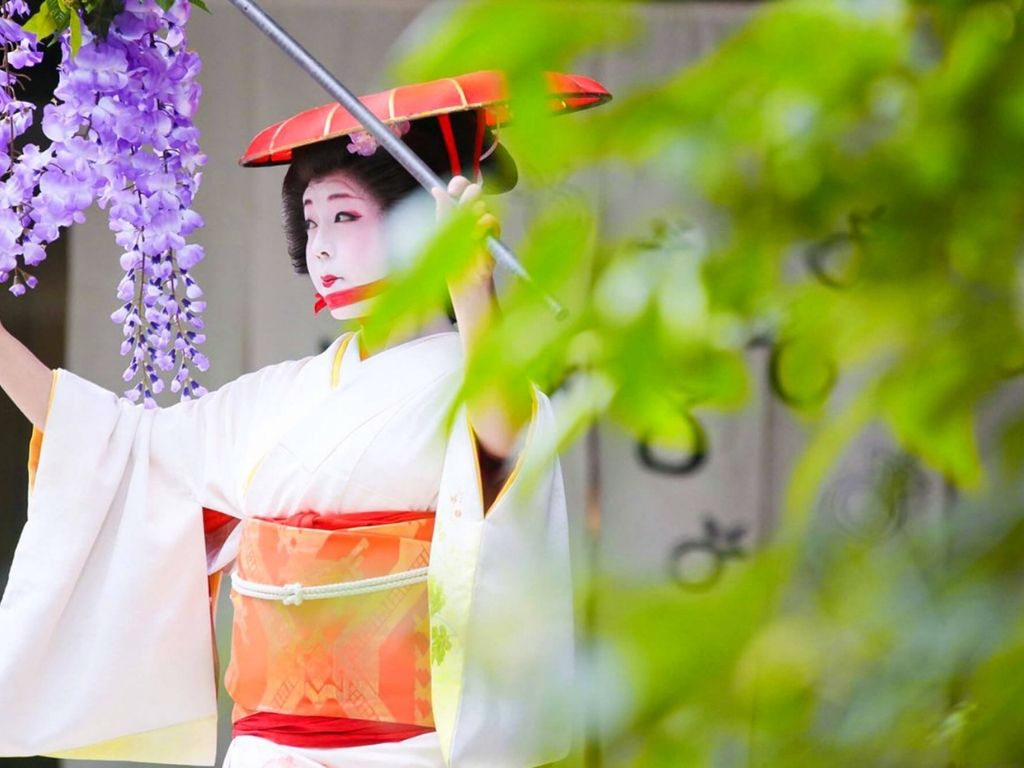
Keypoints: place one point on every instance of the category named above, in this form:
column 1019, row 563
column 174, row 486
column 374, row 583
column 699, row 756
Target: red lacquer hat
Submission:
column 485, row 91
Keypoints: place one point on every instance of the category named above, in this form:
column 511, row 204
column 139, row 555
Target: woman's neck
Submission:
column 439, row 324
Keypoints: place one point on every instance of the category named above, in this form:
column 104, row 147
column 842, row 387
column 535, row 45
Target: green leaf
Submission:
column 61, row 15
column 165, row 4
column 41, row 24
column 201, row 5
column 100, row 13
column 76, row 32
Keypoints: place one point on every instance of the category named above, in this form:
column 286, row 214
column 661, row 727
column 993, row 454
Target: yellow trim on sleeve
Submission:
column 476, row 460
column 35, row 444
column 184, row 741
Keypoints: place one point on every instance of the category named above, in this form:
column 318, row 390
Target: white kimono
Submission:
column 106, row 648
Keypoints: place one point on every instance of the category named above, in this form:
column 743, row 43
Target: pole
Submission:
column 398, row 148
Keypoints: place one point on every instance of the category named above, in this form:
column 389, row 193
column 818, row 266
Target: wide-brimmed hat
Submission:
column 411, row 106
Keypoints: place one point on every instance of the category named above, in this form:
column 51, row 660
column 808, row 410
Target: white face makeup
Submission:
column 344, row 239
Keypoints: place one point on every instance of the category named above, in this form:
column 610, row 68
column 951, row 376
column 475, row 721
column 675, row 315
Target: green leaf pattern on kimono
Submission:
column 440, row 644
column 454, row 552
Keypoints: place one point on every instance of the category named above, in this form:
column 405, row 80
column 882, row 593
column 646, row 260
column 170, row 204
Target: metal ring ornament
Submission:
column 689, row 547
column 775, row 377
column 719, row 544
column 816, row 256
column 691, row 463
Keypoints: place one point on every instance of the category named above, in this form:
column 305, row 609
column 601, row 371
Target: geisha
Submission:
column 401, row 595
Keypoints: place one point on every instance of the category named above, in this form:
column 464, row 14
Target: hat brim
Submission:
column 477, row 90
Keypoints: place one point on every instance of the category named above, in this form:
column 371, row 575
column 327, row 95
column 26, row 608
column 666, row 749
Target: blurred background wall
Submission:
column 644, row 512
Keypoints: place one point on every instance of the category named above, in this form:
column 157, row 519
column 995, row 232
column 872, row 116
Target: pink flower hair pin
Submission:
column 363, row 142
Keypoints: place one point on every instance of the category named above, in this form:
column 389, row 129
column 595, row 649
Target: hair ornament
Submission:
column 363, row 143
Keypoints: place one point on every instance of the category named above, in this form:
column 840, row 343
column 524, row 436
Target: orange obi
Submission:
column 363, row 652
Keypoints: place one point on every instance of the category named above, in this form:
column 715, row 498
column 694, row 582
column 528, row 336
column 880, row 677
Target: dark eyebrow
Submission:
column 335, row 196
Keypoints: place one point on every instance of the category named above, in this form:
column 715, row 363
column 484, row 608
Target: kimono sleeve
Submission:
column 501, row 605
column 105, row 632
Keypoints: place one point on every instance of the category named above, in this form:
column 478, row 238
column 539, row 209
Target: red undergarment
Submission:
column 323, row 732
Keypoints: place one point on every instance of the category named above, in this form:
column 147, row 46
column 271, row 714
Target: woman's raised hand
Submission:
column 469, row 194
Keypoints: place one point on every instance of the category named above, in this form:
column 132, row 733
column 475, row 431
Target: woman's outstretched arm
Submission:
column 24, row 378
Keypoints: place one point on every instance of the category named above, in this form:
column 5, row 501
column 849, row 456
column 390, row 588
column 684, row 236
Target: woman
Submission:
column 333, row 488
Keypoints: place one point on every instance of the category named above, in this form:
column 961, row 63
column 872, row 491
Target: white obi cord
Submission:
column 296, row 594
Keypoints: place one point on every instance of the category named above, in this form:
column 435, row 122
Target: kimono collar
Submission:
column 349, row 295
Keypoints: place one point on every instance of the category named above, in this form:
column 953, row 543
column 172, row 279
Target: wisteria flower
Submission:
column 122, row 136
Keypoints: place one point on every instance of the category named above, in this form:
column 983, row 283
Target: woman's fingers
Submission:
column 457, row 186
column 488, row 224
column 460, row 188
column 468, row 194
column 463, row 190
column 444, row 203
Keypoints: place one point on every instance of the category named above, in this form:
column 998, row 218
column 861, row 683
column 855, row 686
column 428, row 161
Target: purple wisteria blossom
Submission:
column 17, row 179
column 121, row 135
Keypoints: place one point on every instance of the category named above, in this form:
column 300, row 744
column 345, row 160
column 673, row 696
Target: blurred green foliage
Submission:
column 863, row 164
